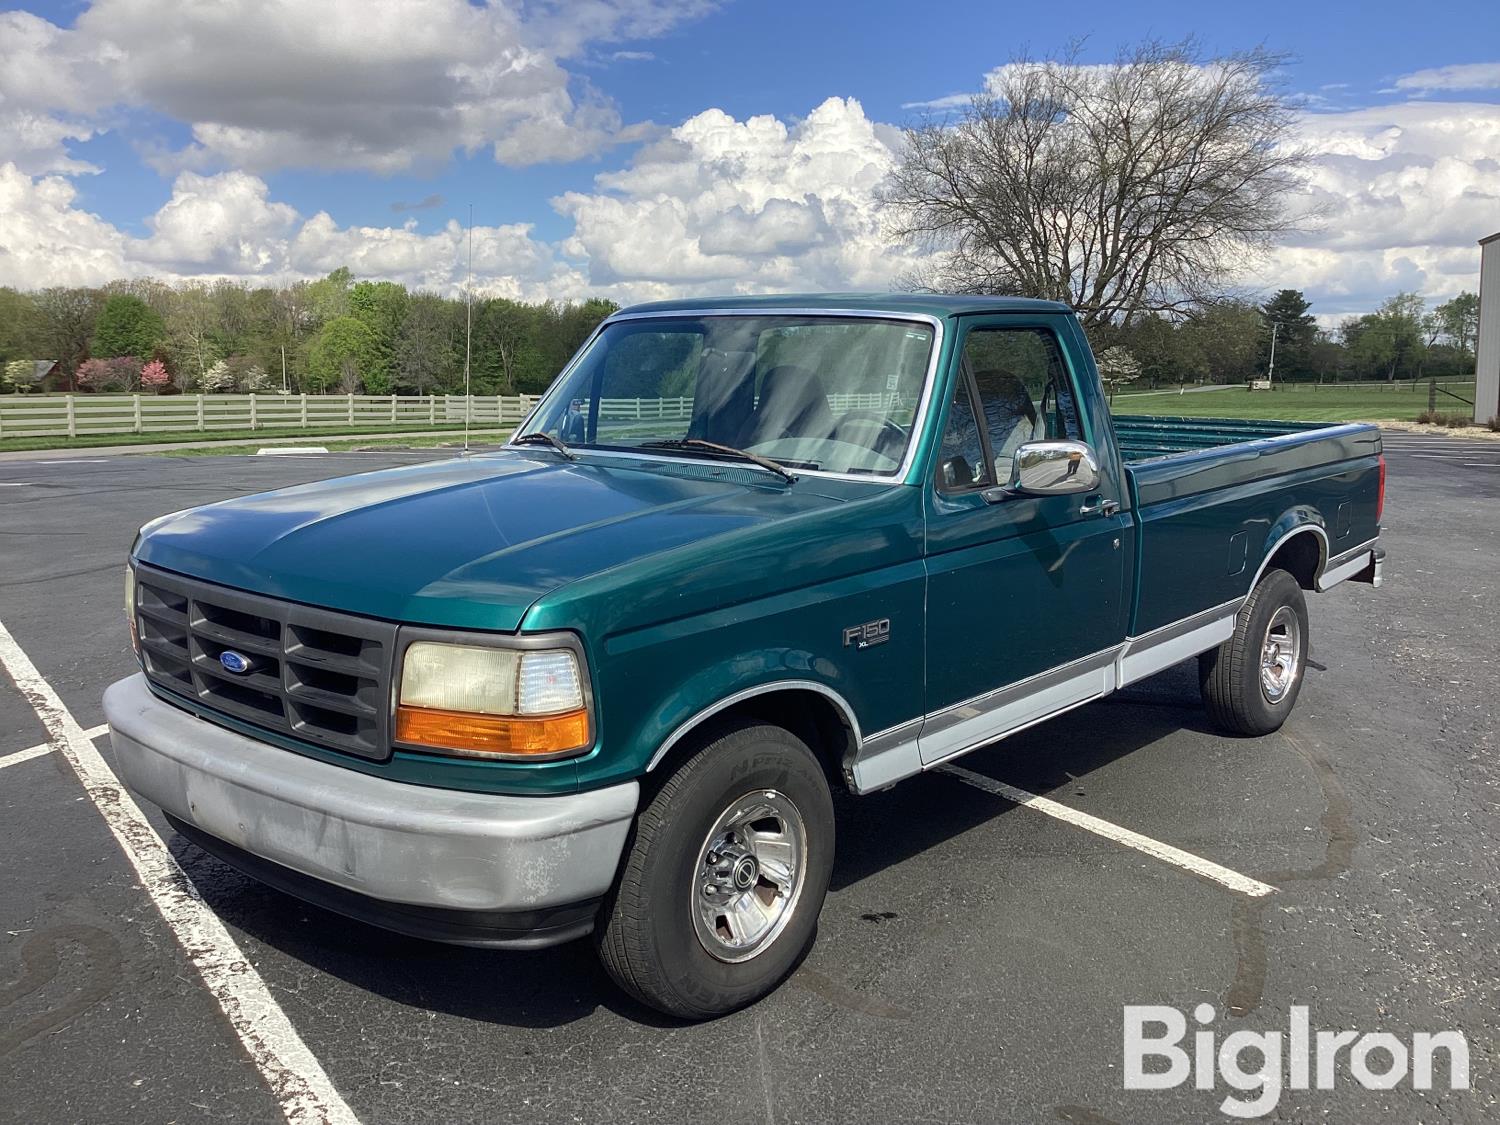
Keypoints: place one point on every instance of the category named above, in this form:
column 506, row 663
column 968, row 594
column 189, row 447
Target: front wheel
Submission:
column 1250, row 682
column 727, row 871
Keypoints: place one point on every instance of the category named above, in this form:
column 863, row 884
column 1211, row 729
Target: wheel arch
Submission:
column 1301, row 550
column 813, row 711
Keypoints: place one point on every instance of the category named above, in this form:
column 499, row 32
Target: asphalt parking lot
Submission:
column 974, row 954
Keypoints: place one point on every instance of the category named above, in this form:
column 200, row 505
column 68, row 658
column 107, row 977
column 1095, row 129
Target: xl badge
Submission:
column 868, row 635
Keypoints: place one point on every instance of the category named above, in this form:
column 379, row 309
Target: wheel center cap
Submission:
column 746, row 873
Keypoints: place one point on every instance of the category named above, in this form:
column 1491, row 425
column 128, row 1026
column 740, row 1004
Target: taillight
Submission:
column 1380, row 496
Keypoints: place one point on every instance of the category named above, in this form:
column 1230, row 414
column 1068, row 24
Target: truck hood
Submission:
column 468, row 543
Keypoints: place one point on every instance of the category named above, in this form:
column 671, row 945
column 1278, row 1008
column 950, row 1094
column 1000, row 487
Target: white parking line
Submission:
column 1204, row 868
column 1439, row 450
column 25, row 755
column 1406, row 446
column 45, row 748
column 293, row 1073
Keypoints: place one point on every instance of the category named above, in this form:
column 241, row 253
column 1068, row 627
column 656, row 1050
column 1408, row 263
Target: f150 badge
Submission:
column 868, row 635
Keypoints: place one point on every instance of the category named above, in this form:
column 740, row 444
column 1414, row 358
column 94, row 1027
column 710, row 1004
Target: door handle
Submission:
column 1102, row 507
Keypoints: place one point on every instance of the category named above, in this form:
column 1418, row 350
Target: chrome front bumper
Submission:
column 422, row 849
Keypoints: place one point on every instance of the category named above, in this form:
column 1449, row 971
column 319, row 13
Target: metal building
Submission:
column 1487, row 390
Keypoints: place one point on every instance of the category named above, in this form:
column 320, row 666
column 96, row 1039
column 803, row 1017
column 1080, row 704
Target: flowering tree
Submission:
column 93, row 374
column 154, row 375
column 1116, row 366
column 217, row 379
column 17, row 375
column 123, row 372
column 256, row 380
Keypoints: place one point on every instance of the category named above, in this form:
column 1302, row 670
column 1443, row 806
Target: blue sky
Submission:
column 625, row 72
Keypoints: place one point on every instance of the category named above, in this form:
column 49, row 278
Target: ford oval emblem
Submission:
column 234, row 662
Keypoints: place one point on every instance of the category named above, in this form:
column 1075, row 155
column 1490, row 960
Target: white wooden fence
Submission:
column 27, row 416
column 80, row 415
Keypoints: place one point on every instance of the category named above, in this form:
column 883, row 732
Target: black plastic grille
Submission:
column 313, row 674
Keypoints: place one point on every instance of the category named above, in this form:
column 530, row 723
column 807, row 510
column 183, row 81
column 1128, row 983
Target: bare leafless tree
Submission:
column 1142, row 185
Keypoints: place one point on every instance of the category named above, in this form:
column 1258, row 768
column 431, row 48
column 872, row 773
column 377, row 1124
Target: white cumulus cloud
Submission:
column 218, row 224
column 46, row 240
column 741, row 206
column 379, row 85
column 716, row 204
column 226, row 225
column 1405, row 192
column 506, row 258
column 49, row 83
column 1461, row 76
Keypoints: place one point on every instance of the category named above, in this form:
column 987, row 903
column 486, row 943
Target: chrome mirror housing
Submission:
column 1054, row 468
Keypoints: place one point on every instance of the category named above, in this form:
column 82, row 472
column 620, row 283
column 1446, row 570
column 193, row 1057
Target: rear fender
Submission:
column 1299, row 523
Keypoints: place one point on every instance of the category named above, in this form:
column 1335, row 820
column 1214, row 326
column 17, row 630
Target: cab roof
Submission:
column 925, row 304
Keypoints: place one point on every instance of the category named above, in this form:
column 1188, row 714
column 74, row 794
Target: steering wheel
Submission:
column 888, row 436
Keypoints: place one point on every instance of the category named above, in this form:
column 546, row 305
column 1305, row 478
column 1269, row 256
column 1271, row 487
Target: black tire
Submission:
column 1230, row 676
column 648, row 938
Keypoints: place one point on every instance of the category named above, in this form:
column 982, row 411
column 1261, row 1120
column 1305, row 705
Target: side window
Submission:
column 961, row 460
column 1025, row 393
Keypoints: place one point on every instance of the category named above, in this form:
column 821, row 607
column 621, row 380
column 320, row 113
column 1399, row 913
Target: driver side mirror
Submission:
column 1054, row 468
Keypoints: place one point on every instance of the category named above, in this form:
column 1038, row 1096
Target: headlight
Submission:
column 492, row 702
column 135, row 642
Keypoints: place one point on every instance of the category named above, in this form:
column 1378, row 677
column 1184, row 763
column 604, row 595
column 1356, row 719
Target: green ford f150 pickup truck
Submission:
column 742, row 552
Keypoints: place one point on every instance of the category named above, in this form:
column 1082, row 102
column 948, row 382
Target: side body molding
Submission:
column 881, row 759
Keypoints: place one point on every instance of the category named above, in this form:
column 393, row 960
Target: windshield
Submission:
column 837, row 394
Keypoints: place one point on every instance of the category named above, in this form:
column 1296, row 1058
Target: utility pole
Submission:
column 284, row 388
column 1271, row 369
column 468, row 328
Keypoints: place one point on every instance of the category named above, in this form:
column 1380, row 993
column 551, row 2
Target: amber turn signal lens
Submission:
column 471, row 733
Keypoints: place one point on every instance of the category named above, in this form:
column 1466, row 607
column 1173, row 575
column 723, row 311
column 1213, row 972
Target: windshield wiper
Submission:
column 723, row 450
column 547, row 439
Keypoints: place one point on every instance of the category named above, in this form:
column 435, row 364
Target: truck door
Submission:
column 1023, row 593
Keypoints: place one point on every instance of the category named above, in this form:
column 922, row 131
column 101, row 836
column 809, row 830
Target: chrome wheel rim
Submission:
column 1280, row 655
column 749, row 875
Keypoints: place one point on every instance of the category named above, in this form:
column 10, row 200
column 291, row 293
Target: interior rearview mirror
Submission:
column 1054, row 468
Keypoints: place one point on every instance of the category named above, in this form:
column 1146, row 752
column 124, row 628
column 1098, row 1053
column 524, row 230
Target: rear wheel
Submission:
column 1250, row 682
column 727, row 871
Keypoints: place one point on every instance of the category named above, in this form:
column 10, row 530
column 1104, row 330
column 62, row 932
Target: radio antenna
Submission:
column 468, row 329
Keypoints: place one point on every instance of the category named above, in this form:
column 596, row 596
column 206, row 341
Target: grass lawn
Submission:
column 1302, row 404
column 89, row 441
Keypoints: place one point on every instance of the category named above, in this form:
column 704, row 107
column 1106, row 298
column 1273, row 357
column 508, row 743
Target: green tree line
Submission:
column 341, row 335
column 1229, row 341
column 336, row 334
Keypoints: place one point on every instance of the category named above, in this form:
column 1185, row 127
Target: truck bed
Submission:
column 1143, row 437
column 1212, row 495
